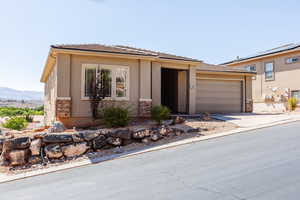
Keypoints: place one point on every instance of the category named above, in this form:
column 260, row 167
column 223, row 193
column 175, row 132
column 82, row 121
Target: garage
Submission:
column 219, row 96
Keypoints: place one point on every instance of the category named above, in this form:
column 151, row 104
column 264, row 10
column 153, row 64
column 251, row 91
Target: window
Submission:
column 292, row 60
column 296, row 94
column 269, row 71
column 251, row 68
column 116, row 80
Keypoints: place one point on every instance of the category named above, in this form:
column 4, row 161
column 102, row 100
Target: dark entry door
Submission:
column 169, row 92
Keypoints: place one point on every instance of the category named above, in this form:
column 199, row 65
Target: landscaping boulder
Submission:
column 155, row 136
column 120, row 133
column 33, row 160
column 35, row 147
column 178, row 120
column 99, row 142
column 146, row 140
column 193, row 130
column 18, row 157
column 57, row 127
column 1, row 145
column 140, row 133
column 89, row 135
column 164, row 130
column 57, row 138
column 76, row 137
column 74, row 150
column 53, row 151
column 114, row 141
column 6, row 149
column 178, row 131
column 21, row 143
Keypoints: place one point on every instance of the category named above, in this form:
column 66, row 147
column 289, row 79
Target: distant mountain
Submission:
column 12, row 94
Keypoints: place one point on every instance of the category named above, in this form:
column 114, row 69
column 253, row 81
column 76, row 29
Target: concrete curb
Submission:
column 8, row 178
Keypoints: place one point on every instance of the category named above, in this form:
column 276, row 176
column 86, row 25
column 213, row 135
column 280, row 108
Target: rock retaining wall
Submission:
column 43, row 147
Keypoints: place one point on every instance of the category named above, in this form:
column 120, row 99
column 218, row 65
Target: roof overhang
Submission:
column 237, row 73
column 51, row 59
column 237, row 62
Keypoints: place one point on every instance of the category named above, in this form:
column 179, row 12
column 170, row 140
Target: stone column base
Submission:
column 63, row 107
column 145, row 106
column 249, row 106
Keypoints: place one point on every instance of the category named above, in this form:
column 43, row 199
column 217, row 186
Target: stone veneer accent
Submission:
column 145, row 107
column 63, row 108
column 249, row 106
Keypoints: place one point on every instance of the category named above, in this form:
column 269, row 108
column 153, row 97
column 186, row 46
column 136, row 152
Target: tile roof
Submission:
column 222, row 68
column 120, row 49
column 267, row 52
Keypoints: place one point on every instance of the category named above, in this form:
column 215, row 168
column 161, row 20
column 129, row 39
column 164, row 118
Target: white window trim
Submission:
column 113, row 76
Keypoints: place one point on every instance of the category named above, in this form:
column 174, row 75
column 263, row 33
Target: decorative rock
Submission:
column 140, row 133
column 114, row 141
column 167, row 122
column 6, row 149
column 53, row 151
column 155, row 136
column 99, row 142
column 121, row 133
column 35, row 160
column 57, row 127
column 164, row 130
column 206, row 117
column 74, row 150
column 40, row 135
column 89, row 135
column 18, row 157
column 178, row 120
column 1, row 145
column 146, row 140
column 178, row 131
column 58, row 138
column 193, row 130
column 35, row 147
column 21, row 143
column 76, row 137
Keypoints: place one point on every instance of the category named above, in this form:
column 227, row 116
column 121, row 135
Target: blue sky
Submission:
column 214, row 31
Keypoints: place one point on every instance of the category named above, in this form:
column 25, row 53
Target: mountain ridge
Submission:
column 13, row 94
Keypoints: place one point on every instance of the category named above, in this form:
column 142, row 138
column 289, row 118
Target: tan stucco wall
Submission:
column 286, row 75
column 50, row 91
column 81, row 108
column 63, row 75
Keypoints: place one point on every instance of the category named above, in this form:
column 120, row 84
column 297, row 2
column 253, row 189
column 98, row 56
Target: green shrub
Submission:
column 116, row 116
column 12, row 111
column 28, row 118
column 159, row 113
column 293, row 103
column 16, row 123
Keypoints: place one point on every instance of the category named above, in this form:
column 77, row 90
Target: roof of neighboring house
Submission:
column 280, row 49
column 120, row 49
column 222, row 68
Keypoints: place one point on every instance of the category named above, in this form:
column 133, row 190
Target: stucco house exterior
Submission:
column 277, row 79
column 139, row 79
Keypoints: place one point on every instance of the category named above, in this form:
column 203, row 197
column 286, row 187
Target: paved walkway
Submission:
column 248, row 120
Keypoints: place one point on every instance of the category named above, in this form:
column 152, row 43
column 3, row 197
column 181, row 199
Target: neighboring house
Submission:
column 139, row 79
column 277, row 79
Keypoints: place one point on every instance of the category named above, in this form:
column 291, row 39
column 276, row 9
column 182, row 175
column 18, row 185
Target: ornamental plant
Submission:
column 293, row 103
column 16, row 123
column 116, row 116
column 160, row 113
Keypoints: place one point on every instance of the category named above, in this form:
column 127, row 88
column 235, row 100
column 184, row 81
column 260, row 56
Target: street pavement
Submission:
column 260, row 164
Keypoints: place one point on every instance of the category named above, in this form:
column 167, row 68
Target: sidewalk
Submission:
column 247, row 122
column 252, row 120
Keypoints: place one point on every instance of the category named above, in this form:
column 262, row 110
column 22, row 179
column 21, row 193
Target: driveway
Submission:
column 250, row 120
column 261, row 164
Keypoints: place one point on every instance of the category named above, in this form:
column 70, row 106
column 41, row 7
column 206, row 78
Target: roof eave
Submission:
column 235, row 62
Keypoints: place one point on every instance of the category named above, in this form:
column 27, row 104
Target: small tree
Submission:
column 98, row 91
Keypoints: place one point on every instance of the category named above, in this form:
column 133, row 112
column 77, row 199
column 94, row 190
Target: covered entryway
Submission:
column 219, row 96
column 174, row 90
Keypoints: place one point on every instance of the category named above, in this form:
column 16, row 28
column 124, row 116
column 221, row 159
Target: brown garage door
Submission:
column 221, row 96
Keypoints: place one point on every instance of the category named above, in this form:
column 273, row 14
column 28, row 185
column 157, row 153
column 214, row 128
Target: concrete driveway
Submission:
column 249, row 120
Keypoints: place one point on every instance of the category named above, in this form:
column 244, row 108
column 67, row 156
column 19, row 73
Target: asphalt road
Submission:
column 262, row 164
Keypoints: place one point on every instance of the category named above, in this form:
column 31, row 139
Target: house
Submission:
column 139, row 79
column 277, row 79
